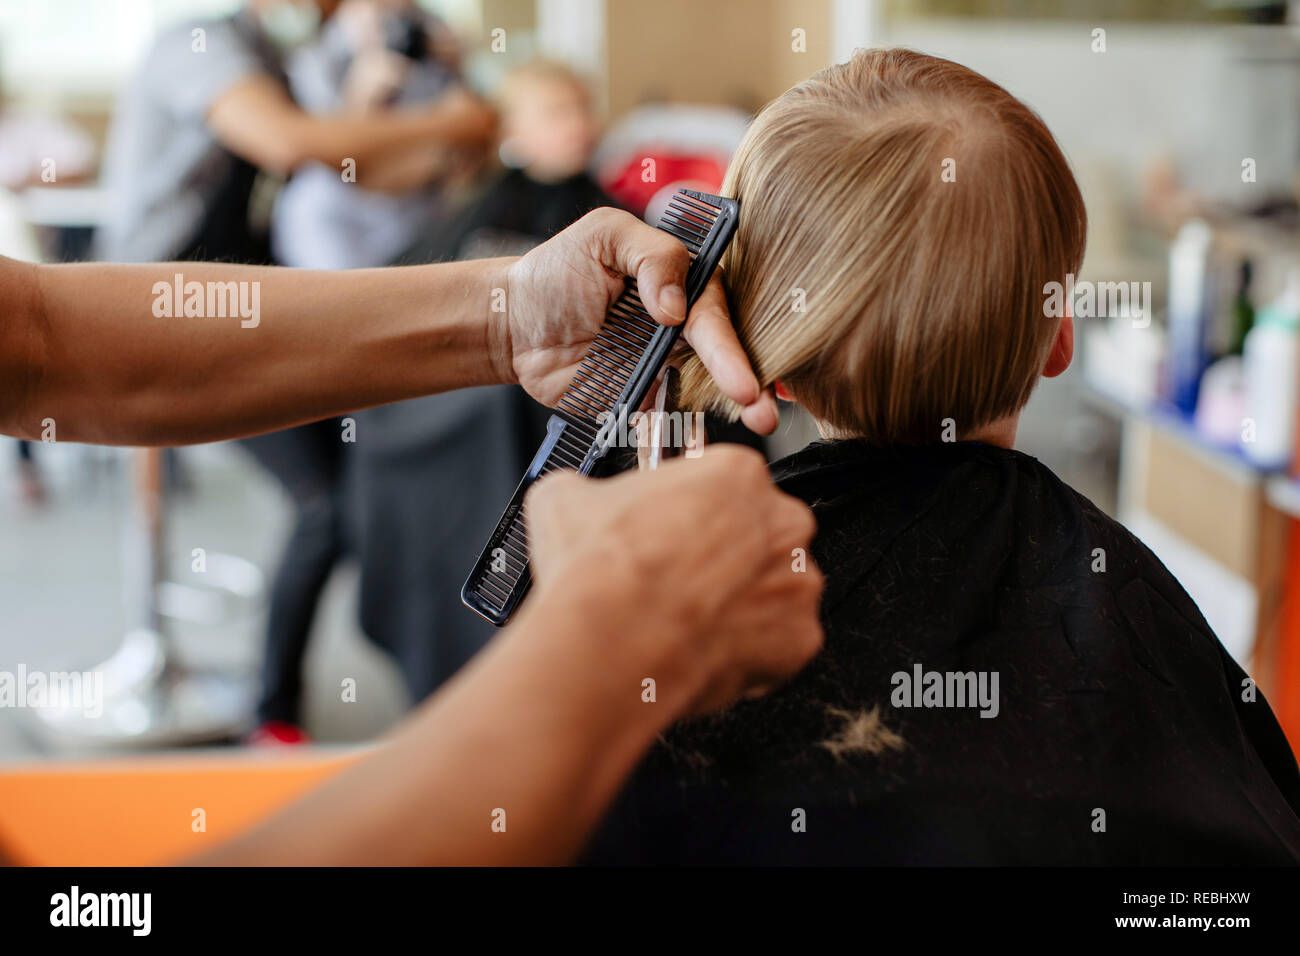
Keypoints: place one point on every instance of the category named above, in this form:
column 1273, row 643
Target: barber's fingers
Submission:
column 762, row 416
column 791, row 523
column 781, row 631
column 791, row 580
column 553, row 510
column 625, row 245
column 711, row 334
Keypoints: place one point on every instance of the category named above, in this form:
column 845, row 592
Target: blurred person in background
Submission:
column 549, row 132
column 370, row 58
column 210, row 112
column 34, row 150
column 430, row 476
column 202, row 132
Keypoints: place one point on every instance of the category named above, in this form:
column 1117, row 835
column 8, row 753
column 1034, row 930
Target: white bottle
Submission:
column 1272, row 379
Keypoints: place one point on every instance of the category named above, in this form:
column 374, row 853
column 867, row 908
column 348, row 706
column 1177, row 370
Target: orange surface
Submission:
column 1286, row 700
column 140, row 810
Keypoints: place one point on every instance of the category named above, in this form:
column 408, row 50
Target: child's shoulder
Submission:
column 975, row 511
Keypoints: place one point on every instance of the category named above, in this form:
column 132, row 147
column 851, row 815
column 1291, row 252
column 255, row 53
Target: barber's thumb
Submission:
column 672, row 303
column 661, row 281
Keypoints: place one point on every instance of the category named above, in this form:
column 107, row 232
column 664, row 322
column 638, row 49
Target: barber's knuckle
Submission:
column 549, row 492
column 743, row 463
column 792, row 522
column 593, row 230
column 811, row 638
column 671, row 250
column 803, row 521
column 811, row 597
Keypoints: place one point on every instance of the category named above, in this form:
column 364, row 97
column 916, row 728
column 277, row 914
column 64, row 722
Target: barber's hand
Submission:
column 467, row 122
column 375, row 75
column 697, row 562
column 558, row 295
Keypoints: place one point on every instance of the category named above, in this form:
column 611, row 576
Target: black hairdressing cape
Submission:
column 1124, row 732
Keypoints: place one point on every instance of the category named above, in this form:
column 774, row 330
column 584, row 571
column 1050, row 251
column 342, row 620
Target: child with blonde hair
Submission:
column 1009, row 676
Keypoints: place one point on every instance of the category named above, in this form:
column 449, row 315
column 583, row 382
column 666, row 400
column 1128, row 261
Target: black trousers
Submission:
column 307, row 461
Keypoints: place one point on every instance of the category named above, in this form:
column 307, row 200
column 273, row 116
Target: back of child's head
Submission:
column 899, row 217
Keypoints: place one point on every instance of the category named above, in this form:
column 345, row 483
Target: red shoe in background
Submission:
column 277, row 733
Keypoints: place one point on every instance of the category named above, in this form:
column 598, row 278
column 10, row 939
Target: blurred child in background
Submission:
column 549, row 131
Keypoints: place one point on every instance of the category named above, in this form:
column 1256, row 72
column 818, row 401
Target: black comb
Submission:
column 611, row 383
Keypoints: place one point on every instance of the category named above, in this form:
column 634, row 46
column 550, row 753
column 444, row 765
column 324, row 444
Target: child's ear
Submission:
column 1058, row 360
column 781, row 391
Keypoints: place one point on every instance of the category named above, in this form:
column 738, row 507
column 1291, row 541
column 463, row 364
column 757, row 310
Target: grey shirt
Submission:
column 322, row 222
column 162, row 166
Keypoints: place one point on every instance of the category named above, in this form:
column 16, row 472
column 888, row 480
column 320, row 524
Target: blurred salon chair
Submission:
column 151, row 697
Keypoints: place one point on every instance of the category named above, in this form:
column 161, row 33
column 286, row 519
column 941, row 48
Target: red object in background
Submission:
column 277, row 733
column 626, row 183
column 1286, row 695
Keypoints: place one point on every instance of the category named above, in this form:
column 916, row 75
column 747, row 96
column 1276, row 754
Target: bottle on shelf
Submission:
column 1272, row 379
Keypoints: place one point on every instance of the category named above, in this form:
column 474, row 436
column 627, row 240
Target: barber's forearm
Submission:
column 512, row 762
column 298, row 347
column 570, row 726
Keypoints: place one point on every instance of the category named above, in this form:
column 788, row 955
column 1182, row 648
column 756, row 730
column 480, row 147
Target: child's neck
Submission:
column 548, row 177
column 1001, row 433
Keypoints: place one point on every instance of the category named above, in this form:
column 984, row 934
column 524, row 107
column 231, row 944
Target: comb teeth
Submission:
column 615, row 374
column 612, row 360
column 689, row 217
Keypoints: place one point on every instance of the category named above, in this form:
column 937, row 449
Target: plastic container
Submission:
column 1189, row 295
column 1272, row 379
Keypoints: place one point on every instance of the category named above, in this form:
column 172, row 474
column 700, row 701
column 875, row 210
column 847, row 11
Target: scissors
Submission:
column 657, row 446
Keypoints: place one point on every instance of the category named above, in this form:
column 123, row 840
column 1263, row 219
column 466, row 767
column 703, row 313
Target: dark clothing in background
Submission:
column 430, row 479
column 432, row 475
column 1114, row 695
column 307, row 461
column 513, row 214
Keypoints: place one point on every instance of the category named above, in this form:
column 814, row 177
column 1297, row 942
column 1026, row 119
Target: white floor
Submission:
column 61, row 582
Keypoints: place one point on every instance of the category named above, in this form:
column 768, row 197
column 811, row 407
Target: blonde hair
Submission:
column 899, row 217
column 536, row 72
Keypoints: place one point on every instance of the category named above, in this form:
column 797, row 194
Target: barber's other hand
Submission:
column 467, row 122
column 558, row 294
column 696, row 566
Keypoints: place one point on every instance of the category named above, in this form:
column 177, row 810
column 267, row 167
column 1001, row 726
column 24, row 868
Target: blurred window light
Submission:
column 51, row 50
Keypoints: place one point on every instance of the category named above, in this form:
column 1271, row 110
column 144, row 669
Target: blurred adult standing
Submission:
column 203, row 134
column 372, row 56
column 209, row 111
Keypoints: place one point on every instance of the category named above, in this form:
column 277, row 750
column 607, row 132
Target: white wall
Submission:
column 1206, row 95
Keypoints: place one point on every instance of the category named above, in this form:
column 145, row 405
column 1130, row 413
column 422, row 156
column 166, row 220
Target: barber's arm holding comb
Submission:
column 548, row 720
